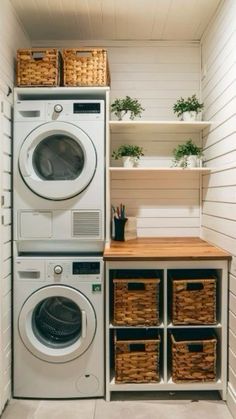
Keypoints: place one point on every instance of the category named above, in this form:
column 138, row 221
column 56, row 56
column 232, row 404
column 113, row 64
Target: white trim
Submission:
column 75, row 43
column 231, row 400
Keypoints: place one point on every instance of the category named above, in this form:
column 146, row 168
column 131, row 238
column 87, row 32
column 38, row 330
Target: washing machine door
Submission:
column 57, row 323
column 57, row 160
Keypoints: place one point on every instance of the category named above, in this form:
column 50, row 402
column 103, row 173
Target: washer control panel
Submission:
column 81, row 270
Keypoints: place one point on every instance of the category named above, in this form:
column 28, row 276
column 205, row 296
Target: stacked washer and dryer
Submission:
column 59, row 194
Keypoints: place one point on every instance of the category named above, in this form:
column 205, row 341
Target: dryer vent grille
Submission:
column 86, row 224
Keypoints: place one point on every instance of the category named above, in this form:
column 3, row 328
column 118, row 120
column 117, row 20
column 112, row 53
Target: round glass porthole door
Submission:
column 57, row 160
column 57, row 323
column 58, row 157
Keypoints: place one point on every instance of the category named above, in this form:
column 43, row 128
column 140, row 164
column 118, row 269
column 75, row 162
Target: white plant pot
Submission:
column 126, row 116
column 192, row 161
column 129, row 161
column 123, row 116
column 189, row 116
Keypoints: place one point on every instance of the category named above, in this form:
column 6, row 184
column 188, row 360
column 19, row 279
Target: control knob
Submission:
column 58, row 108
column 58, row 269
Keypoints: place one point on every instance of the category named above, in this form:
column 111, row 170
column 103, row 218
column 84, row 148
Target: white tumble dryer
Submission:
column 59, row 182
column 58, row 327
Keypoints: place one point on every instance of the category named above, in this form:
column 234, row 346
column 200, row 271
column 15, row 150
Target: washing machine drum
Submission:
column 58, row 319
column 57, row 160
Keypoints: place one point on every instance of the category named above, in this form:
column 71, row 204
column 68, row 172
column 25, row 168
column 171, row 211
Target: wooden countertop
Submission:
column 164, row 248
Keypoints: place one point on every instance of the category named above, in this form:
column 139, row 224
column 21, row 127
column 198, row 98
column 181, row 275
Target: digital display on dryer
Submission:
column 87, row 107
column 86, row 268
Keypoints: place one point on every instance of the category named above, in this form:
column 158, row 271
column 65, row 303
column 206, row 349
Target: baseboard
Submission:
column 231, row 400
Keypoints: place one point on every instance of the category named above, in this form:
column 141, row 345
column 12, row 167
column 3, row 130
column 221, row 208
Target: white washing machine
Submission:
column 59, row 180
column 58, row 328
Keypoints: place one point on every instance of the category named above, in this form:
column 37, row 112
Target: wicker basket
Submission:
column 193, row 360
column 136, row 302
column 137, row 361
column 194, row 301
column 85, row 67
column 38, row 67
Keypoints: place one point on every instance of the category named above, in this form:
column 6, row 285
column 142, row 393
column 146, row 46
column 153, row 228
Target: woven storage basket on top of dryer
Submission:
column 85, row 67
column 137, row 361
column 136, row 301
column 194, row 301
column 193, row 356
column 38, row 67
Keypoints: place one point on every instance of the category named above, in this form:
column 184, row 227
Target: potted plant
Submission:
column 187, row 154
column 126, row 107
column 188, row 109
column 129, row 154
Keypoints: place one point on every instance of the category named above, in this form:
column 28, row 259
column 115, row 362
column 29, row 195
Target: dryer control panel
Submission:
column 75, row 110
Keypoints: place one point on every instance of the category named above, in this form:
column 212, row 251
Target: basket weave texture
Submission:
column 38, row 67
column 85, row 67
column 193, row 360
column 194, row 301
column 135, row 366
column 136, row 302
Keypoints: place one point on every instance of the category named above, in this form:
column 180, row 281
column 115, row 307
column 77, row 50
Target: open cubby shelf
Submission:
column 165, row 270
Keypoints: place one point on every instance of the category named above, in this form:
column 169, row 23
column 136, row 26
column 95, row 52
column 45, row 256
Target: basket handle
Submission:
column 134, row 347
column 195, row 286
column 136, row 286
column 85, row 53
column 195, row 347
column 37, row 55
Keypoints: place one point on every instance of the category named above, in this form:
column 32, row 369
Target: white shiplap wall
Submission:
column 219, row 188
column 12, row 36
column 164, row 204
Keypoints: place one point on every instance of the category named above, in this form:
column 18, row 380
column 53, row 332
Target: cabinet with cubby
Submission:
column 129, row 340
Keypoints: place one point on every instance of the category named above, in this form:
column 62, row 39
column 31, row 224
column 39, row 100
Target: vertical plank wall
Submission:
column 164, row 204
column 219, row 198
column 12, row 36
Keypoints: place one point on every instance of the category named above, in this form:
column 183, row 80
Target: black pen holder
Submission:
column 120, row 228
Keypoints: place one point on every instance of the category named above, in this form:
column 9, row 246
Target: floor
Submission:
column 133, row 409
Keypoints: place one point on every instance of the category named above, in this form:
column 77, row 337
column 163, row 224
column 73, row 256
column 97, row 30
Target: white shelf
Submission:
column 158, row 126
column 162, row 386
column 160, row 169
column 161, row 326
column 27, row 93
column 194, row 326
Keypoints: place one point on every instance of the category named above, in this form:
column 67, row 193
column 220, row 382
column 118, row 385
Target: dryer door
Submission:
column 57, row 160
column 57, row 323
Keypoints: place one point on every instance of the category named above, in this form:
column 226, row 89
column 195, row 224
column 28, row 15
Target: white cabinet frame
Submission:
column 220, row 329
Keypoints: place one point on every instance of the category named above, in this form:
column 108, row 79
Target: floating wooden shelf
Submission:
column 158, row 126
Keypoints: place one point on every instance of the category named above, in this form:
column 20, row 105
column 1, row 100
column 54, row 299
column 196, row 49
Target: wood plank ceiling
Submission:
column 115, row 19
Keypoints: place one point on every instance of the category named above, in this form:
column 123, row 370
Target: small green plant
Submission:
column 191, row 104
column 120, row 107
column 183, row 150
column 127, row 150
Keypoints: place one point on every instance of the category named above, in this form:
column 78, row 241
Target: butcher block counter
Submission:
column 164, row 248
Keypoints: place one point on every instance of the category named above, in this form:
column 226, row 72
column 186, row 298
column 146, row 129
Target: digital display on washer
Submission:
column 87, row 107
column 86, row 268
